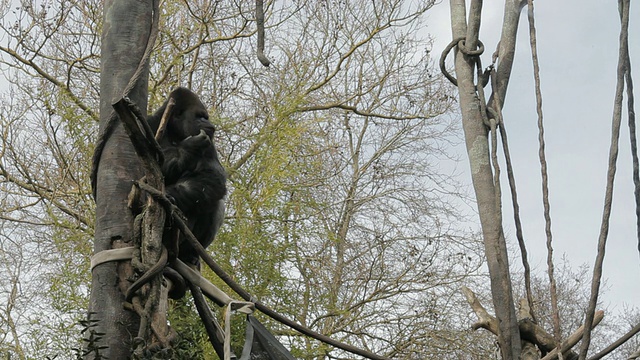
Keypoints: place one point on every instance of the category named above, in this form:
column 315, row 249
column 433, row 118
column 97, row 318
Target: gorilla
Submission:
column 194, row 179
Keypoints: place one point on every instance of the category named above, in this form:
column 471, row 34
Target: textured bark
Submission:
column 125, row 32
column 154, row 298
column 507, row 48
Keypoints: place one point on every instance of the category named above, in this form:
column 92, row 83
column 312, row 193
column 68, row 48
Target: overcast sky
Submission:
column 578, row 53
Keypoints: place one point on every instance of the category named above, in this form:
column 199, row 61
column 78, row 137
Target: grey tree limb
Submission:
column 482, row 177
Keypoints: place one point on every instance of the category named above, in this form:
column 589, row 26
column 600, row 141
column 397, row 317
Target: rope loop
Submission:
column 443, row 57
column 460, row 43
column 477, row 52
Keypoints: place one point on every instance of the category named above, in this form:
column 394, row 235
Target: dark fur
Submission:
column 193, row 176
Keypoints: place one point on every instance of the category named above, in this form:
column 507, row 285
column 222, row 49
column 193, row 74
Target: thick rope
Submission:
column 443, row 57
column 148, row 275
column 491, row 123
column 557, row 331
column 634, row 144
column 623, row 6
column 460, row 43
column 514, row 193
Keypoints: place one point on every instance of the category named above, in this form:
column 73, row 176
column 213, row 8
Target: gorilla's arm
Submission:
column 197, row 190
column 184, row 157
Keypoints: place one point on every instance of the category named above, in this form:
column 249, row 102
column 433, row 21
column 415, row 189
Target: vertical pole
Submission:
column 124, row 37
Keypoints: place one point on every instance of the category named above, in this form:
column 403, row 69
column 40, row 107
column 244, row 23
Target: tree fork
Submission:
column 481, row 172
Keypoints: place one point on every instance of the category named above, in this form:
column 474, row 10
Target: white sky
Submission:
column 578, row 53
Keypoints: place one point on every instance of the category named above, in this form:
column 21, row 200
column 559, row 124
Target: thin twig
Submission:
column 168, row 111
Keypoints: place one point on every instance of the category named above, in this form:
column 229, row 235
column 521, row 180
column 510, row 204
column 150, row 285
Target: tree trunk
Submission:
column 489, row 210
column 124, row 37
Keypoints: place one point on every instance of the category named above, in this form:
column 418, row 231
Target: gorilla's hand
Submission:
column 171, row 198
column 199, row 141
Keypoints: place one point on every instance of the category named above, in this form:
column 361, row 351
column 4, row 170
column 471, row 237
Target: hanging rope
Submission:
column 634, row 145
column 557, row 332
column 497, row 113
column 211, row 325
column 491, row 122
column 623, row 56
column 443, row 57
column 112, row 121
column 260, row 29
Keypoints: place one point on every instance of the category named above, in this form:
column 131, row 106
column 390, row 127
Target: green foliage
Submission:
column 193, row 342
column 255, row 243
